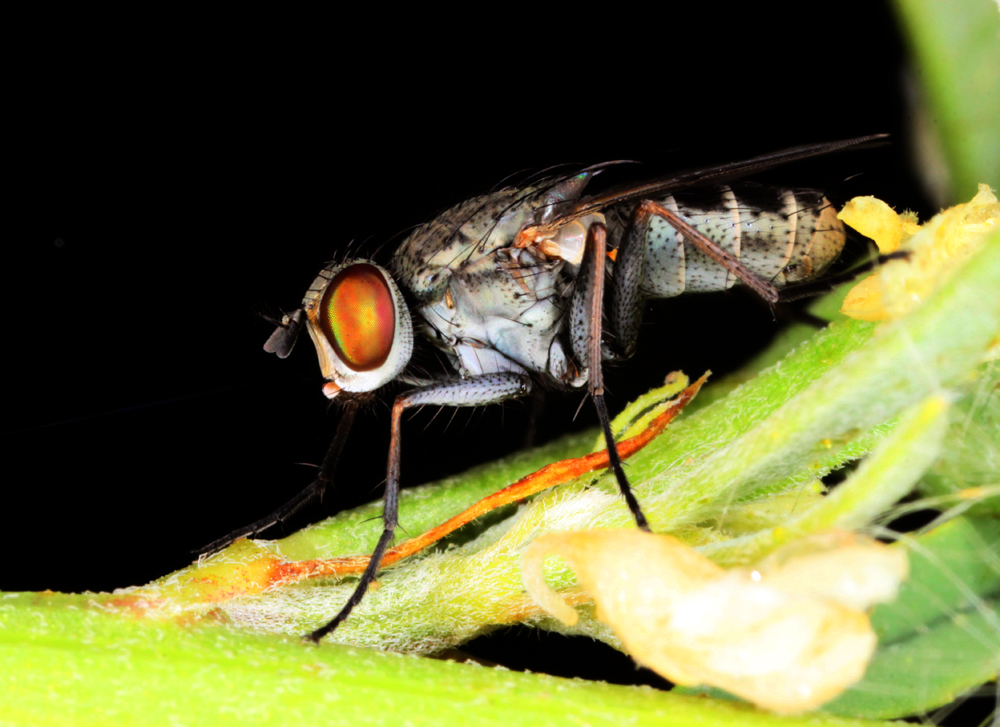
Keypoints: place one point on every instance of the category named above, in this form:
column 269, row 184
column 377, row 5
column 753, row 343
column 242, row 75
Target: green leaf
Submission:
column 941, row 637
column 966, row 475
column 931, row 669
column 66, row 661
column 952, row 568
column 956, row 60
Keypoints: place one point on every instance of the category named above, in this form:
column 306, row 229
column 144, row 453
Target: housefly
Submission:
column 510, row 286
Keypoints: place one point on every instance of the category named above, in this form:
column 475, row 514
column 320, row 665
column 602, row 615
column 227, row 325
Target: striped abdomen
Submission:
column 785, row 236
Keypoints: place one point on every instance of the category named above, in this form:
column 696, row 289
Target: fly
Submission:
column 511, row 287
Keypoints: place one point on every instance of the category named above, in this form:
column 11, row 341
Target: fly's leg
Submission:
column 476, row 391
column 586, row 326
column 630, row 271
column 626, row 286
column 314, row 491
column 756, row 283
column 627, row 297
column 537, row 406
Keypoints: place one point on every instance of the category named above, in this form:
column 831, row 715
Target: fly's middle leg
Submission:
column 586, row 328
column 627, row 298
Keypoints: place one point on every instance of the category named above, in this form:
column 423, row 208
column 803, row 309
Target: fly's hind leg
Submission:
column 634, row 243
column 752, row 280
column 586, row 327
column 630, row 271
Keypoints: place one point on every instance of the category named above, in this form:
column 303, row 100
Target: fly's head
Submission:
column 359, row 323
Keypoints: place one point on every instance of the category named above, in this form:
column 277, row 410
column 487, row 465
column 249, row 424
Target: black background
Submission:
column 171, row 188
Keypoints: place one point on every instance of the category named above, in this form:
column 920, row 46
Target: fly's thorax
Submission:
column 493, row 277
column 502, row 316
column 562, row 239
column 465, row 238
column 459, row 240
column 360, row 325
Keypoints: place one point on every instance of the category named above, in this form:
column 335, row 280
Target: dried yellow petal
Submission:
column 787, row 636
column 874, row 219
column 935, row 248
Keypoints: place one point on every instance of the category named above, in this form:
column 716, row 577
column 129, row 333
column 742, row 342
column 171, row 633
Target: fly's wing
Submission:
column 715, row 175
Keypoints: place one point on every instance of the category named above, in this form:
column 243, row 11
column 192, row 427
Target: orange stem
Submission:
column 548, row 476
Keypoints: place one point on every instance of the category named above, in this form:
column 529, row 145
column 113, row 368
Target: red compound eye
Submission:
column 358, row 317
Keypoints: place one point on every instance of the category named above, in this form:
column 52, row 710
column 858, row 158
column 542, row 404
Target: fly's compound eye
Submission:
column 360, row 325
column 358, row 317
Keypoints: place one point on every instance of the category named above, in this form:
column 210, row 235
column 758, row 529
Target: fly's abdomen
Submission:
column 784, row 236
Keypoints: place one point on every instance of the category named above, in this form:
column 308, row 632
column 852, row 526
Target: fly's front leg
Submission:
column 586, row 326
column 314, row 491
column 475, row 391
